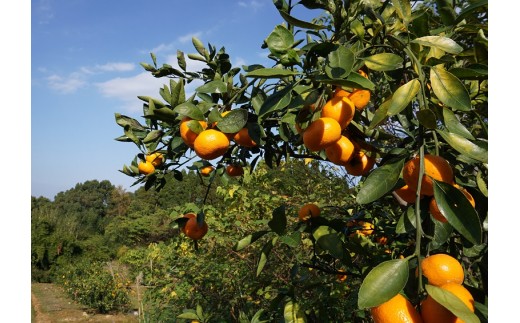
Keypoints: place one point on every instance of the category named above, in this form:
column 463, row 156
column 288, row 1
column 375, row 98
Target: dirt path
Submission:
column 50, row 304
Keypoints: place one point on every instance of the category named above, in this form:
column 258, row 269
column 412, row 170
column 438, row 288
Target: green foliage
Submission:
column 93, row 285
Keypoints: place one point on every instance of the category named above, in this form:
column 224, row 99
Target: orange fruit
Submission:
column 435, row 167
column 155, row 158
column 360, row 164
column 206, row 170
column 406, row 193
column 341, row 151
column 382, row 240
column 308, row 211
column 211, row 144
column 441, row 268
column 366, row 228
column 359, row 97
column 188, row 135
column 434, row 208
column 433, row 312
column 243, row 139
column 192, row 229
column 321, row 133
column 145, row 167
column 234, row 170
column 396, row 310
column 341, row 277
column 339, row 108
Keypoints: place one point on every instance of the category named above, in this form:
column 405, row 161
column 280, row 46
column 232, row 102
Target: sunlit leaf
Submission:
column 329, row 240
column 452, row 303
column 339, row 63
column 403, row 96
column 383, row 282
column 464, row 146
column 443, row 43
column 233, row 121
column 215, row 86
column 449, row 89
column 454, row 125
column 384, row 62
column 249, row 240
column 292, row 313
column 266, row 250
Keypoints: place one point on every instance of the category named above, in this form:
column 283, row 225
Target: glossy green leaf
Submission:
column 264, row 254
column 449, row 89
column 249, row 240
column 123, row 121
column 441, row 233
column 383, row 282
column 452, row 303
column 403, row 96
column 380, row 115
column 384, row 62
column 443, row 43
column 188, row 315
column 190, row 110
column 293, row 313
column 279, row 40
column 456, row 208
column 215, row 86
column 470, row 73
column 354, row 80
column 199, row 46
column 453, row 124
column 339, row 63
column 279, row 221
column 293, row 240
column 276, row 101
column 233, row 121
column 152, row 136
column 177, row 94
column 329, row 240
column 271, row 73
column 482, row 186
column 407, row 221
column 299, row 23
column 464, row 146
column 380, row 181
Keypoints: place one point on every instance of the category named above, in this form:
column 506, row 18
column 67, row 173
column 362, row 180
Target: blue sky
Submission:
column 85, row 57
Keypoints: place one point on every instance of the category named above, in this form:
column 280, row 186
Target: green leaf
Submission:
column 233, row 121
column 292, row 313
column 441, row 234
column 452, row 303
column 123, row 121
column 407, row 221
column 354, row 80
column 329, row 240
column 403, row 9
column 453, row 124
column 249, row 240
column 427, row 118
column 469, row 9
column 482, row 186
column 476, row 72
column 380, row 181
column 181, row 60
column 292, row 240
column 189, row 109
column 271, row 73
column 299, row 23
column 384, row 62
column 279, row 40
column 339, row 63
column 152, row 136
column 215, row 86
column 279, row 221
column 277, row 101
column 199, row 47
column 449, row 89
column 443, row 43
column 464, row 146
column 177, row 94
column 266, row 250
column 382, row 283
column 191, row 315
column 459, row 212
column 380, row 115
column 403, row 96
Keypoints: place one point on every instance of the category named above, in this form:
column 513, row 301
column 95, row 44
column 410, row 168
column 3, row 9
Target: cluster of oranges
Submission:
column 327, row 132
column 151, row 162
column 440, row 270
column 435, row 167
column 208, row 141
column 233, row 170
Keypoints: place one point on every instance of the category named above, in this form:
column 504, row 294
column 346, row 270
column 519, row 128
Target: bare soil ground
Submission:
column 50, row 304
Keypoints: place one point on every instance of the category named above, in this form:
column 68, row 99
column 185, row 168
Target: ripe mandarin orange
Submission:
column 206, row 170
column 243, row 139
column 340, row 152
column 211, row 144
column 433, row 312
column 441, row 268
column 145, row 167
column 234, row 170
column 359, row 97
column 155, row 158
column 360, row 164
column 406, row 193
column 396, row 310
column 321, row 133
column 308, row 211
column 435, row 167
column 188, row 135
column 192, row 228
column 339, row 108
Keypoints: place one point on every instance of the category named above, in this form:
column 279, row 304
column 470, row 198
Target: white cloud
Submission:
column 66, row 85
column 162, row 48
column 44, row 12
column 116, row 67
column 187, row 38
column 253, row 4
